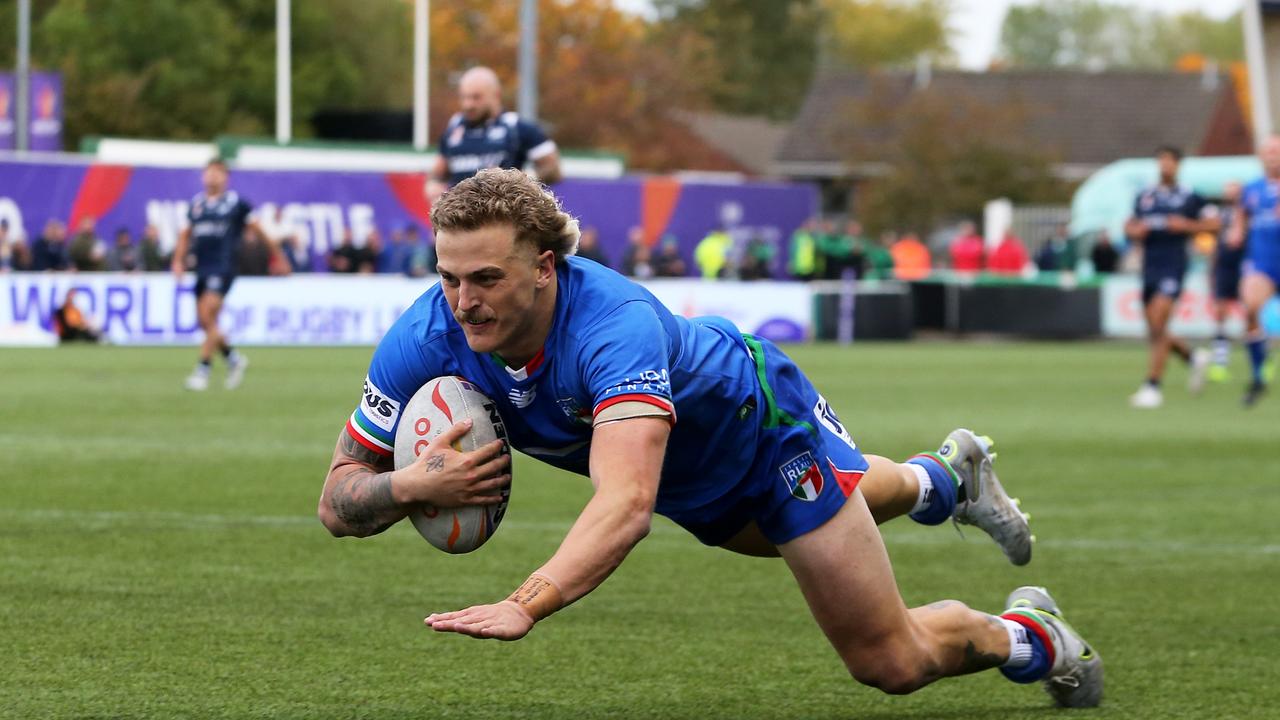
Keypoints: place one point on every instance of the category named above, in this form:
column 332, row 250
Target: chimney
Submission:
column 1209, row 78
column 924, row 71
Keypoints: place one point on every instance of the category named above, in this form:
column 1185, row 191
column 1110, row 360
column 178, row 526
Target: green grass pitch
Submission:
column 160, row 557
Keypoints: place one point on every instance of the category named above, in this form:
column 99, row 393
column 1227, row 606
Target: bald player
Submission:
column 482, row 136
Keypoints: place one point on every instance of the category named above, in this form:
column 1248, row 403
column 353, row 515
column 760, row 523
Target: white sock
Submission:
column 1221, row 351
column 1019, row 645
column 925, row 498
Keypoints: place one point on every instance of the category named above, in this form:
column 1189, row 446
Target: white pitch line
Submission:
column 915, row 537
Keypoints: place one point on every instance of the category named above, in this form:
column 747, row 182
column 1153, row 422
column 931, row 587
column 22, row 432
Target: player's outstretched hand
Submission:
column 447, row 478
column 499, row 621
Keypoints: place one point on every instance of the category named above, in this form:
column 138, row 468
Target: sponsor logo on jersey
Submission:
column 378, row 408
column 828, row 418
column 574, row 410
column 803, row 477
column 522, row 398
column 498, row 133
column 455, row 136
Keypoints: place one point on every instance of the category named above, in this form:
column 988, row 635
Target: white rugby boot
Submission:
column 1148, row 397
column 1201, row 359
column 198, row 380
column 981, row 500
column 236, row 365
column 1075, row 680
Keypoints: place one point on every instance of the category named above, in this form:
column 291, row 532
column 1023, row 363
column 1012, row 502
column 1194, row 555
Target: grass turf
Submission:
column 159, row 555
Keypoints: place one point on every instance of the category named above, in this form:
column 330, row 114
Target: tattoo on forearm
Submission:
column 435, row 463
column 361, row 496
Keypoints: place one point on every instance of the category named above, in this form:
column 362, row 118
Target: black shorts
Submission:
column 1226, row 282
column 1162, row 282
column 214, row 282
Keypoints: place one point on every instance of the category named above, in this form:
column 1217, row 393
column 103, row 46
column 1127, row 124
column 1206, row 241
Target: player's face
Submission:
column 493, row 284
column 479, row 100
column 1168, row 165
column 215, row 179
column 1270, row 156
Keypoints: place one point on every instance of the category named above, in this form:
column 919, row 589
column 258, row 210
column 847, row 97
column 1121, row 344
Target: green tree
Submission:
column 764, row 52
column 1099, row 35
column 871, row 33
column 936, row 177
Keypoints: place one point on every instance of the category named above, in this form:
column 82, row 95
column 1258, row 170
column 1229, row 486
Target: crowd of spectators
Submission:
column 820, row 249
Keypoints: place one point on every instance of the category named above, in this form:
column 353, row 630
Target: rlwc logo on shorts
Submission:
column 828, row 418
column 803, row 477
column 378, row 408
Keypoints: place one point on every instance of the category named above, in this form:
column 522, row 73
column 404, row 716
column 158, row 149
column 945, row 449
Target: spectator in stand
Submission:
column 757, row 261
column 967, row 249
column 802, row 259
column 712, row 254
column 255, row 253
column 1009, row 257
column 345, row 258
column 370, row 254
column 1104, row 255
column 636, row 259
column 123, row 255
column 911, row 260
column 291, row 249
column 589, row 247
column 422, row 261
column 669, row 262
column 153, row 258
column 877, row 258
column 1058, row 253
column 87, row 252
column 49, row 252
column 6, row 252
column 396, row 256
column 14, row 253
column 842, row 251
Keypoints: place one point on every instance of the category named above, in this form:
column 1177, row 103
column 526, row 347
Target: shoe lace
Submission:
column 1070, row 681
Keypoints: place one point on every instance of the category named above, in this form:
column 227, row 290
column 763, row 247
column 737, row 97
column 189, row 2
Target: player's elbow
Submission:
column 329, row 518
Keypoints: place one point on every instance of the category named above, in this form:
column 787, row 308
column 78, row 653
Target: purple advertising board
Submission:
column 45, row 132
column 8, row 110
column 319, row 207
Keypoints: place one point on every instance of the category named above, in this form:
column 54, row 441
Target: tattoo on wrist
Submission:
column 538, row 596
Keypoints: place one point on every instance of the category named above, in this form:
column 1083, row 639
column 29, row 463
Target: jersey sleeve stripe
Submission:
column 656, row 400
column 366, row 440
column 542, row 149
column 370, row 429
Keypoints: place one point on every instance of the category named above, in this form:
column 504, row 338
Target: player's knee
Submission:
column 892, row 668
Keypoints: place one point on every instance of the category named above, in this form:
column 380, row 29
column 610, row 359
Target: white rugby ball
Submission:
column 436, row 407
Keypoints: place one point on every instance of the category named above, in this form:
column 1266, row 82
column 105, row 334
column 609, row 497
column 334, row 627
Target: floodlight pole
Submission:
column 284, row 91
column 23, row 67
column 1255, row 53
column 527, row 104
column 421, row 82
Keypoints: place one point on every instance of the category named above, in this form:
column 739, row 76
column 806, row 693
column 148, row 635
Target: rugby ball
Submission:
column 437, row 406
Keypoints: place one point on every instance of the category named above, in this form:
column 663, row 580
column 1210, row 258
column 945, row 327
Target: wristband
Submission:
column 538, row 596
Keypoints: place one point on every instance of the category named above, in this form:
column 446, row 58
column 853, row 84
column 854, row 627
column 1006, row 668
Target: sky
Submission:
column 976, row 23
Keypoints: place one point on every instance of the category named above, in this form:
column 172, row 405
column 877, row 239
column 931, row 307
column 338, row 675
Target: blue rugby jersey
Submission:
column 507, row 141
column 1261, row 202
column 1162, row 249
column 610, row 341
column 216, row 230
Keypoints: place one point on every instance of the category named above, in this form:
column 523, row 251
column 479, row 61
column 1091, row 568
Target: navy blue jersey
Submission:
column 1261, row 203
column 611, row 341
column 507, row 141
column 216, row 229
column 1163, row 249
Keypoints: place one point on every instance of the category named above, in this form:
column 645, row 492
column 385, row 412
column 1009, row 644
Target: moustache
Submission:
column 464, row 317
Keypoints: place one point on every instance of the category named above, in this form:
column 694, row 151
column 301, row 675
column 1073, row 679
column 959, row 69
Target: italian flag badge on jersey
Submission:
column 803, row 476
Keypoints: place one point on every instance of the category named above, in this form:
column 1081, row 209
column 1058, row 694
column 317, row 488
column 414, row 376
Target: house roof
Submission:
column 1085, row 118
column 751, row 142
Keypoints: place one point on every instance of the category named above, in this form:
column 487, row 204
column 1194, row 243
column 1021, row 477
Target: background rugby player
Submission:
column 1259, row 231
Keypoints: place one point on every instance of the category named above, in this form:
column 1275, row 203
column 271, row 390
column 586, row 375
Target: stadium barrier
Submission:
column 155, row 309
